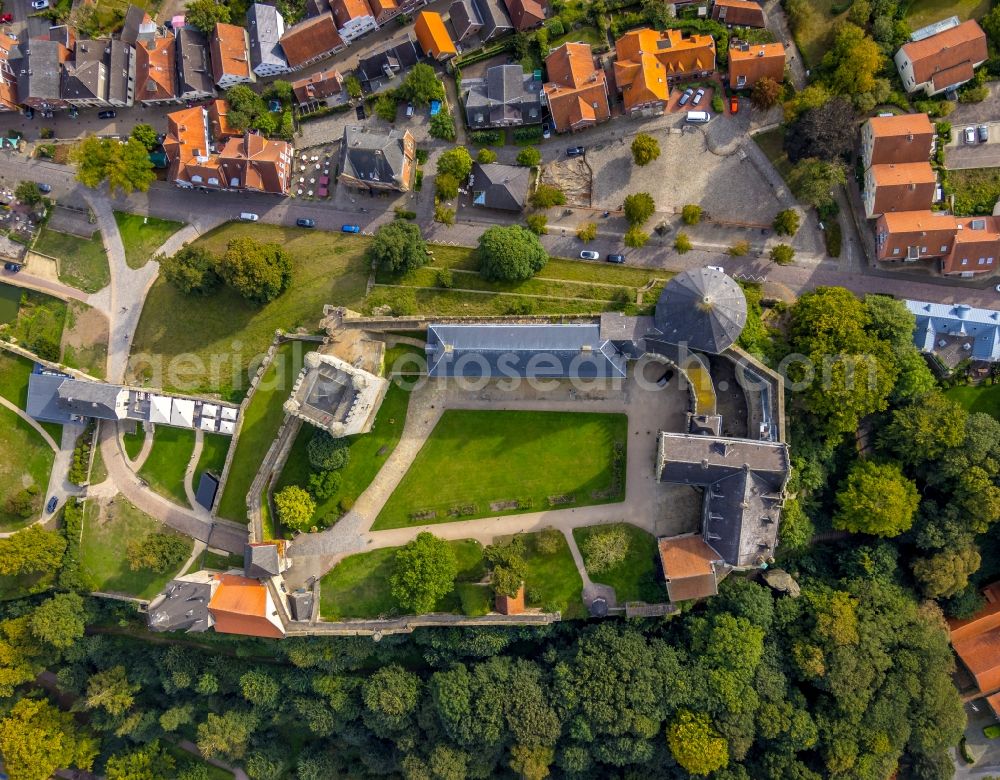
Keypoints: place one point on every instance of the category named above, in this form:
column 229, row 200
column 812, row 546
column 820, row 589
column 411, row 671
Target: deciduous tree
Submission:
column 813, row 180
column 691, row 214
column 27, row 192
column 422, row 85
column 257, row 271
column 782, row 254
column 424, row 571
column 36, row 739
column 587, row 232
column 159, row 552
column 205, row 14
column 295, row 507
column 825, row 133
column 529, row 156
column 510, row 253
column 947, row 572
column 59, row 621
column 546, row 195
column 786, row 222
column 695, row 744
column 326, row 452
column 146, row 135
column 457, row 162
column 853, row 61
column 639, row 207
column 765, row 93
column 31, row 549
column 398, row 247
column 605, row 548
column 645, row 149
column 192, row 270
column 390, row 696
column 877, row 499
column 124, row 166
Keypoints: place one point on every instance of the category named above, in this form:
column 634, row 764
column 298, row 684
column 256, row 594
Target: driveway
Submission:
column 959, row 154
column 987, row 751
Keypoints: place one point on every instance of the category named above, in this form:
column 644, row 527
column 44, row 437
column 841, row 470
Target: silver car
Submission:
column 984, row 133
column 970, row 135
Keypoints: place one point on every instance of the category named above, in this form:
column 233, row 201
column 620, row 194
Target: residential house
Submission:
column 121, row 62
column 577, row 90
column 498, row 186
column 322, row 88
column 354, row 18
column 899, row 187
column 976, row 642
column 384, row 65
column 311, row 40
column 156, row 67
column 195, row 80
column 495, row 21
column 39, row 69
column 230, row 55
column 265, row 26
column 525, row 14
column 956, row 246
column 384, row 10
column 433, row 36
column 944, row 61
column 648, row 62
column 956, row 332
column 506, row 97
column 8, row 75
column 905, row 138
column 738, row 13
column 135, row 17
column 377, row 161
column 204, row 152
column 85, row 77
column 976, row 249
column 465, row 19
column 749, row 63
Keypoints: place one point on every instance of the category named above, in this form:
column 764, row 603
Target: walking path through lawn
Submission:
column 147, row 446
column 199, row 442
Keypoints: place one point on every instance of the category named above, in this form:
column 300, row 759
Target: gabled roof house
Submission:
column 506, row 97
column 230, row 46
column 525, row 14
column 499, row 186
column 749, row 63
column 311, row 40
column 899, row 187
column 974, row 332
column 465, row 19
column 738, row 13
column 495, row 21
column 393, row 60
column 942, row 61
column 156, row 67
column 194, row 71
column 976, row 642
column 265, row 26
column 8, row 75
column 648, row 62
column 318, row 88
column 904, row 138
column 354, row 18
column 577, row 90
column 85, row 77
column 38, row 68
column 433, row 36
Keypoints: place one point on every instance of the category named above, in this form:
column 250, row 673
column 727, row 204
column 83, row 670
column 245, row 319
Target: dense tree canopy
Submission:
column 421, row 85
column 257, row 271
column 510, row 253
column 398, row 247
column 457, row 162
column 853, row 60
column 827, row 132
column 424, row 570
column 876, row 498
column 192, row 270
column 31, row 549
column 205, row 14
column 124, row 166
column 36, row 739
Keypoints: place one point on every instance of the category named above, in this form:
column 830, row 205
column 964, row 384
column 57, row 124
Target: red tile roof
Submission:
column 647, row 58
column 525, row 14
column 977, row 641
column 155, row 73
column 689, row 566
column 345, row 10
column 577, row 91
column 756, row 61
column 739, row 12
column 318, row 86
column 964, row 43
column 310, row 40
column 229, row 52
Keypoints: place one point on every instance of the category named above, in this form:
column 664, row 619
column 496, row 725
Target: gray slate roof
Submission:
column 265, row 27
column 550, row 351
column 702, row 308
column 86, row 77
column 130, row 27
column 38, row 70
column 398, row 57
column 120, row 61
column 980, row 327
column 463, row 14
column 499, row 186
column 90, row 399
column 300, row 604
column 182, row 606
column 194, row 70
column 370, row 155
column 261, row 561
column 43, row 398
column 495, row 18
column 507, row 96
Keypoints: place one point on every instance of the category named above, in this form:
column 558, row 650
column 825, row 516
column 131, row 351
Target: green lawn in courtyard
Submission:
column 226, row 331
column 213, row 455
column 478, row 463
column 39, row 325
column 167, row 462
column 25, row 460
column 358, row 586
column 14, row 373
column 923, row 12
column 261, row 420
column 634, row 579
column 103, row 557
column 10, row 301
column 142, row 236
column 134, row 441
column 369, row 452
column 83, row 263
column 553, row 583
column 211, row 560
column 977, row 398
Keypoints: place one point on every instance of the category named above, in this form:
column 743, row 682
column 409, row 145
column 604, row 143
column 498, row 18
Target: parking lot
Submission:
column 978, row 154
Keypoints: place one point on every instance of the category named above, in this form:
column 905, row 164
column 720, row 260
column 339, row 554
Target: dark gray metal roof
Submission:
column 300, row 604
column 43, row 400
column 194, row 70
column 182, row 606
column 370, row 155
column 121, row 64
column 130, row 27
column 38, row 72
column 464, row 15
column 507, row 95
column 208, row 486
column 86, row 76
column 494, row 16
column 499, row 186
column 398, row 57
column 90, row 399
column 261, row 561
column 703, row 308
column 551, row 351
column 265, row 27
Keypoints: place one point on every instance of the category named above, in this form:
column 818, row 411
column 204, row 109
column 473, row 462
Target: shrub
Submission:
column 327, row 453
column 418, row 179
column 157, row 552
column 422, row 156
column 605, row 549
column 691, row 214
column 385, row 107
column 639, row 207
column 444, row 278
column 486, row 156
column 446, row 186
column 546, row 195
column 786, row 223
column 538, row 224
column 22, row 503
column 531, row 134
column 717, row 105
column 295, row 508
column 443, row 126
column 833, row 238
column 529, row 156
column 80, row 466
column 323, row 484
column 739, row 249
column 635, row 237
column 404, row 214
column 549, row 541
column 587, row 232
column 782, row 254
column 486, row 137
column 444, row 215
column 72, row 529
column 645, row 149
column 682, row 243
column 976, row 94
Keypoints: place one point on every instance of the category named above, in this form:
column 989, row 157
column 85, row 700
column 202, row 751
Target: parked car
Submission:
column 718, row 268
column 409, row 109
column 970, row 135
column 734, row 105
column 53, row 502
column 359, row 112
column 40, row 5
column 249, row 216
column 698, row 117
column 46, row 188
column 984, row 133
column 12, row 267
column 667, row 376
column 350, row 229
column 697, row 97
column 305, row 222
column 546, row 130
column 588, row 254
column 575, row 151
column 29, row 112
column 616, row 259
column 685, row 97
column 6, row 18
column 109, row 114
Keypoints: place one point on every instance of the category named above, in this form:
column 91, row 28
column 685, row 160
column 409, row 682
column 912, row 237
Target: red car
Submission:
column 6, row 18
column 734, row 105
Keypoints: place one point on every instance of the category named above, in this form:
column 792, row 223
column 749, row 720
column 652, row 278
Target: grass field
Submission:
column 977, row 398
column 85, row 339
column 10, row 301
column 358, row 586
column 552, row 582
column 40, row 322
column 473, row 459
column 636, row 578
column 83, row 262
column 924, row 12
column 168, row 460
column 328, row 269
column 368, row 452
column 261, row 421
column 14, row 373
column 211, row 560
column 813, row 29
column 771, row 143
column 976, row 190
column 103, row 558
column 27, row 460
column 213, row 455
column 134, row 441
column 143, row 235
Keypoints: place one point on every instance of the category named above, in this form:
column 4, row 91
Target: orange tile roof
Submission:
column 155, row 74
column 901, row 124
column 894, row 174
column 956, row 74
column 229, row 52
column 310, row 39
column 977, row 641
column 218, row 117
column 575, row 85
column 689, row 566
column 647, row 58
column 433, row 36
column 8, row 81
column 318, row 86
column 755, row 62
column 740, row 12
column 240, row 606
column 918, row 221
column 994, row 702
column 525, row 14
column 964, row 43
column 382, row 7
column 345, row 10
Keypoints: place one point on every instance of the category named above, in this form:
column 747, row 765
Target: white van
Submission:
column 698, row 117
column 248, row 216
